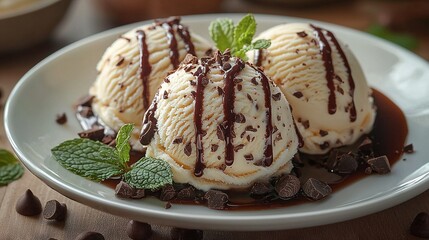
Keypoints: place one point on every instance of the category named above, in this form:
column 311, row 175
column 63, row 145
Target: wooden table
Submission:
column 392, row 223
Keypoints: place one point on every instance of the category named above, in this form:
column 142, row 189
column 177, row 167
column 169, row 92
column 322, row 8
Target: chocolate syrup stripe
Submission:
column 258, row 57
column 198, row 114
column 326, row 51
column 145, row 67
column 172, row 42
column 149, row 125
column 186, row 37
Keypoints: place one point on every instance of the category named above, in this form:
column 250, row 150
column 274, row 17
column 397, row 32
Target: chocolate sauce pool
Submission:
column 389, row 135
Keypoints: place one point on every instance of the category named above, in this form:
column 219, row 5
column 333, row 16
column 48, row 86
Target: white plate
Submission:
column 57, row 82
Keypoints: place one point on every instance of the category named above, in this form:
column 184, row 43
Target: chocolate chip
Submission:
column 188, row 149
column 214, row 147
column 248, row 157
column 347, row 164
column 409, row 148
column 302, row 34
column 96, row 133
column 324, row 145
column 298, row 94
column 219, row 133
column 251, row 128
column 226, row 66
column 178, row 140
column 238, row 147
column 305, row 124
column 28, row 204
column 323, row 133
column 138, row 194
column 90, row 236
column 55, row 211
column 85, row 101
column 194, row 94
column 239, row 87
column 240, row 118
column 287, row 186
column 86, row 112
column 380, row 164
column 368, row 170
column 316, row 189
column 420, row 225
column 186, row 234
column 204, row 81
column 340, row 90
column 276, row 96
column 260, row 188
column 254, row 81
column 190, row 59
column 192, row 82
column 61, row 118
column 187, row 193
column 167, row 193
column 121, row 60
column 123, row 190
column 165, row 95
column 249, row 97
column 216, row 199
column 238, row 80
column 166, row 80
column 220, row 91
column 366, row 144
column 139, row 230
column 167, row 205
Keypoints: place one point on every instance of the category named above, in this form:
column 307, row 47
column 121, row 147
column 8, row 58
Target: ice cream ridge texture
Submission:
column 220, row 123
column 323, row 82
column 133, row 67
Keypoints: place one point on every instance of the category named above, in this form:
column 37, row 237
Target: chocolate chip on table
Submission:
column 409, row 148
column 90, row 236
column 167, row 193
column 287, row 186
column 260, row 188
column 28, row 204
column 54, row 210
column 216, row 199
column 186, row 234
column 61, row 118
column 347, row 164
column 380, row 164
column 420, row 225
column 139, row 230
column 123, row 190
column 316, row 189
column 96, row 134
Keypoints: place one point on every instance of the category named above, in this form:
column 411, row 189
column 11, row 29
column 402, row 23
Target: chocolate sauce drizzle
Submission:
column 172, row 42
column 145, row 67
column 201, row 73
column 149, row 126
column 228, row 109
column 326, row 52
column 258, row 57
column 186, row 36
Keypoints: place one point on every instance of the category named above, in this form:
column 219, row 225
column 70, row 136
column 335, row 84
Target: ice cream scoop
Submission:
column 322, row 80
column 133, row 67
column 220, row 123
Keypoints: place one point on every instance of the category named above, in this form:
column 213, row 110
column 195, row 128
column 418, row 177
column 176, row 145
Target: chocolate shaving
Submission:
column 298, row 94
column 248, row 157
column 277, row 96
column 254, row 81
column 178, row 140
column 165, row 95
column 238, row 147
column 323, row 133
column 302, row 34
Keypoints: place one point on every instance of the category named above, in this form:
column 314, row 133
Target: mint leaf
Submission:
column 244, row 32
column 122, row 142
column 222, row 33
column 149, row 173
column 10, row 169
column 87, row 158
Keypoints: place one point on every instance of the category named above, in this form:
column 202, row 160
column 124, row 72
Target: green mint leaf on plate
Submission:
column 10, row 169
column 222, row 33
column 236, row 38
column 87, row 158
column 122, row 142
column 149, row 173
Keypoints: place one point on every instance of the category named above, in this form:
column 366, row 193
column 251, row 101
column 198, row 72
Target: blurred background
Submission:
column 39, row 27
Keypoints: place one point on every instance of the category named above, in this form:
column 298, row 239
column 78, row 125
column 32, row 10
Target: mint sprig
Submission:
column 149, row 173
column 10, row 169
column 97, row 161
column 236, row 38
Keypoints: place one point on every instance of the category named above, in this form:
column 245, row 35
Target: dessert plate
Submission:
column 53, row 85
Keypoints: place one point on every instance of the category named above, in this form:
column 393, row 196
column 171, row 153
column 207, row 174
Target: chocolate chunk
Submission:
column 214, row 147
column 276, row 96
column 260, row 188
column 165, row 95
column 96, row 133
column 190, row 59
column 138, row 194
column 366, row 144
column 216, row 199
column 287, row 186
column 332, row 161
column 187, row 193
column 186, row 234
column 108, row 139
column 368, row 170
column 254, row 81
column 248, row 157
column 409, row 148
column 90, row 236
column 28, row 204
column 61, row 118
column 302, row 34
column 323, row 133
column 316, row 189
column 226, row 66
column 220, row 91
column 298, row 94
column 420, row 225
column 305, row 124
column 178, row 140
column 86, row 112
column 55, row 211
column 167, row 205
column 139, row 230
column 85, row 101
column 123, row 190
column 188, row 149
column 380, row 164
column 167, row 193
column 347, row 164
column 240, row 118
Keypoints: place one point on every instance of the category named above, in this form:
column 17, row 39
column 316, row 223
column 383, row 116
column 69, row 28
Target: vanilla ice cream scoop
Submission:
column 133, row 67
column 220, row 123
column 322, row 80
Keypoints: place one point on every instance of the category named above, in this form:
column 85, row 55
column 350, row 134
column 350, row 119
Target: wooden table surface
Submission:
column 85, row 19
